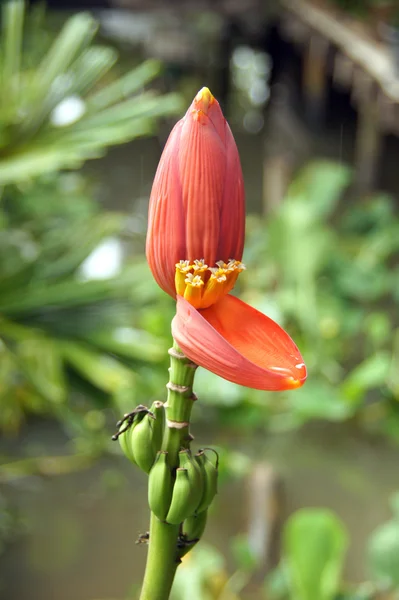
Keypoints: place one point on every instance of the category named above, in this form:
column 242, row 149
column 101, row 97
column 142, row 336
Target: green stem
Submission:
column 162, row 560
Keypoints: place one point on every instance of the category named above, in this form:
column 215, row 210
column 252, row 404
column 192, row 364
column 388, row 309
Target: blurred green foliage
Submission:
column 57, row 328
column 61, row 102
column 313, row 553
column 384, row 549
column 323, row 266
column 314, row 568
column 312, row 557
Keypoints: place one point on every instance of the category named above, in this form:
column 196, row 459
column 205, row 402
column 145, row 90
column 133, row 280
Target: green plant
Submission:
column 58, row 330
column 383, row 550
column 314, row 542
column 323, row 265
column 62, row 103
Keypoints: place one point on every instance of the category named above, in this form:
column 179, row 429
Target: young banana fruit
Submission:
column 160, row 486
column 209, row 478
column 142, row 440
column 182, row 504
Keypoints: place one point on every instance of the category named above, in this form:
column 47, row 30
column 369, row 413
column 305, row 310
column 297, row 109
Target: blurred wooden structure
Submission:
column 265, row 492
column 333, row 45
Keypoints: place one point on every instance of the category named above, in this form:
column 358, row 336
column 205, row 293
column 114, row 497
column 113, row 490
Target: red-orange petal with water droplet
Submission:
column 240, row 344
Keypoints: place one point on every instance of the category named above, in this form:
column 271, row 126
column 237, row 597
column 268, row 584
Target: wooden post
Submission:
column 265, row 508
column 277, row 172
column 368, row 139
column 315, row 80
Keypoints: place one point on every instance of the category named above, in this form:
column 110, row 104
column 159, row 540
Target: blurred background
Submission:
column 89, row 92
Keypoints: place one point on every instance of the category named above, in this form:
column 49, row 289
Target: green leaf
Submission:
column 276, row 584
column 321, row 183
column 101, row 370
column 243, row 554
column 36, row 161
column 70, row 293
column 131, row 343
column 383, row 552
column 75, row 246
column 76, row 34
column 90, row 66
column 37, row 357
column 125, row 86
column 194, row 578
column 318, row 400
column 145, row 105
column 42, row 364
column 370, row 374
column 315, row 543
column 13, row 20
column 32, row 142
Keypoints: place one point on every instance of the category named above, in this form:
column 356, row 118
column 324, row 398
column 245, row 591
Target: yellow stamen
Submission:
column 182, row 269
column 193, row 291
column 234, row 268
column 215, row 288
column 199, row 267
column 203, row 286
column 221, row 264
column 194, row 280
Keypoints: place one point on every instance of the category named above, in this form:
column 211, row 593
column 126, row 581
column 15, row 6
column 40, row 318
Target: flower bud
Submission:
column 197, row 204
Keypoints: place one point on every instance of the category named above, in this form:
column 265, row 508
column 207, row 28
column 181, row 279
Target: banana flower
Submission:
column 194, row 247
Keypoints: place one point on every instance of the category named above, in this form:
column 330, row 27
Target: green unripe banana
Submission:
column 142, row 443
column 160, row 486
column 210, row 479
column 192, row 531
column 124, row 442
column 194, row 526
column 157, row 424
column 195, row 475
column 183, row 502
column 125, row 438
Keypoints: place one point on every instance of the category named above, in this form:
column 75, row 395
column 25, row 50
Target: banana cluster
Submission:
column 176, row 495
column 141, row 439
column 183, row 495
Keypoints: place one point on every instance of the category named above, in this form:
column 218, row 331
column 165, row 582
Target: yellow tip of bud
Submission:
column 204, row 99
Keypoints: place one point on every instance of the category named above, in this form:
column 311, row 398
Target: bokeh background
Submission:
column 307, row 506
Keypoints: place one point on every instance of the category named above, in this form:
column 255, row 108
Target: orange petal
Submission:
column 202, row 168
column 232, row 213
column 166, row 234
column 240, row 344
